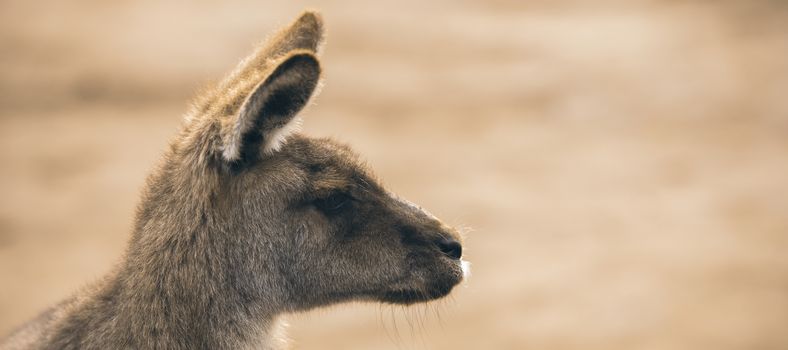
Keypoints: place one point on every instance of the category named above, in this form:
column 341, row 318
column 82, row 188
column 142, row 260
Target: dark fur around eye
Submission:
column 334, row 203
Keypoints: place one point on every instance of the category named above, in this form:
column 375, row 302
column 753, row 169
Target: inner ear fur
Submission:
column 267, row 115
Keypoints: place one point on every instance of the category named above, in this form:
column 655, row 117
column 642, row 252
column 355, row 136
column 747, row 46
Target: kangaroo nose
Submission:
column 450, row 247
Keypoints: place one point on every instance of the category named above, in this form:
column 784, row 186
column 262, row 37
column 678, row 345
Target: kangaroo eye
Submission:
column 333, row 203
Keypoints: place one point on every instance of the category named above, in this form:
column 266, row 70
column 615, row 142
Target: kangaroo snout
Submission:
column 450, row 246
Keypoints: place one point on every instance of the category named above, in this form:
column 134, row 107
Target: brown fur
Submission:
column 233, row 231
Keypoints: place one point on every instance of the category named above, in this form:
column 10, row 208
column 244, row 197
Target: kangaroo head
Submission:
column 295, row 220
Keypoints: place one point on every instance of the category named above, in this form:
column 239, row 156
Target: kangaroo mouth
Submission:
column 412, row 296
column 435, row 289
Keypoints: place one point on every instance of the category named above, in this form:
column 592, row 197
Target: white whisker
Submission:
column 466, row 270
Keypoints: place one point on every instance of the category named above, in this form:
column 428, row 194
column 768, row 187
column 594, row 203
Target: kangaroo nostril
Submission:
column 450, row 247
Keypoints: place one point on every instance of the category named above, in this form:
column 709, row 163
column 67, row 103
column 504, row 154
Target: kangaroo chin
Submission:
column 246, row 219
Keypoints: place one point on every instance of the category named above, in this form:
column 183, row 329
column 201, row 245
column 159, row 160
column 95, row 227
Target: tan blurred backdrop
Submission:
column 623, row 165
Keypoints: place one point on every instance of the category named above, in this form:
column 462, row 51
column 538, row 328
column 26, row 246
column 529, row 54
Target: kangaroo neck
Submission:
column 176, row 290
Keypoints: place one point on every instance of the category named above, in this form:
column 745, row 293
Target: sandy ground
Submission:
column 622, row 166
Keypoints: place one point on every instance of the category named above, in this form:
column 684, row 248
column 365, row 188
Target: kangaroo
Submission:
column 245, row 220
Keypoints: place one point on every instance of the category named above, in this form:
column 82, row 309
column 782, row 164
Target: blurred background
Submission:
column 622, row 166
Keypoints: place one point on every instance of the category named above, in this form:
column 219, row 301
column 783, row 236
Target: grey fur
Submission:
column 226, row 242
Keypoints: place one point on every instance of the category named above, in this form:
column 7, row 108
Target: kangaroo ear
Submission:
column 267, row 115
column 305, row 33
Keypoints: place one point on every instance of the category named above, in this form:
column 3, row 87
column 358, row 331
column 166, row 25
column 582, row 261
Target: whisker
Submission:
column 382, row 320
column 396, row 328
